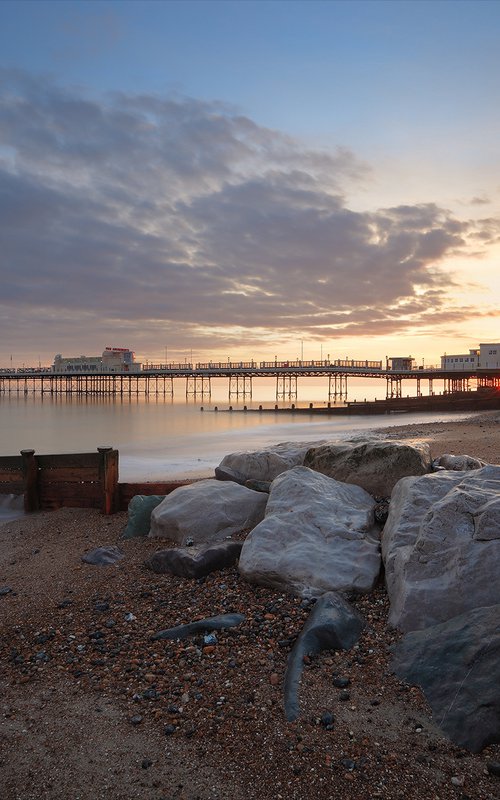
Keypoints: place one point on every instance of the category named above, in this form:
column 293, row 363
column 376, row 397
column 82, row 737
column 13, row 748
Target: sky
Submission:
column 236, row 180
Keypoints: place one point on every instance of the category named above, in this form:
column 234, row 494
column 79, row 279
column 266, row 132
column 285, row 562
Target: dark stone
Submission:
column 493, row 768
column 457, row 665
column 5, row 590
column 101, row 606
column 168, row 730
column 327, row 720
column 195, row 562
column 146, row 763
column 344, row 695
column 332, row 625
column 210, row 624
column 341, row 683
column 258, row 486
column 229, row 474
column 103, row 556
column 135, row 720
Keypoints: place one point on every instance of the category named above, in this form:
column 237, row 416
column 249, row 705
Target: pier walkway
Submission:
column 158, row 379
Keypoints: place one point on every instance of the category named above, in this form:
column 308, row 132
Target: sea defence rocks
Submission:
column 318, row 535
column 195, row 562
column 139, row 515
column 262, row 465
column 441, row 546
column 458, row 463
column 375, row 466
column 333, row 624
column 457, row 665
column 207, row 511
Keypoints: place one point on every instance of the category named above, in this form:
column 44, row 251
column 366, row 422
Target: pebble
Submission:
column 344, row 695
column 5, row 590
column 340, row 683
column 493, row 768
column 136, row 719
column 327, row 720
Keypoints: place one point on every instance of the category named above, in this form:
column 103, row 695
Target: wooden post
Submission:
column 30, row 478
column 108, row 472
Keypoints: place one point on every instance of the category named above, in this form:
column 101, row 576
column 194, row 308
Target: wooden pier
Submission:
column 158, row 380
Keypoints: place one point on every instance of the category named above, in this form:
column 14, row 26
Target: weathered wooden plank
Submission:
column 30, row 477
column 68, row 460
column 109, row 477
column 11, row 463
column 69, row 475
column 12, row 486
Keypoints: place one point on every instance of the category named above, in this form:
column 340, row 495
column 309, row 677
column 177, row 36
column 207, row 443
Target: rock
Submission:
column 200, row 626
column 333, row 624
column 195, row 562
column 139, row 515
column 207, row 511
column 318, row 535
column 258, row 486
column 375, row 466
column 441, row 546
column 460, row 463
column 5, row 590
column 493, row 768
column 457, row 665
column 228, row 474
column 265, row 465
column 103, row 556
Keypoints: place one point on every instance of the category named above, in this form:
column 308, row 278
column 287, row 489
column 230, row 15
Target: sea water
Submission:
column 162, row 437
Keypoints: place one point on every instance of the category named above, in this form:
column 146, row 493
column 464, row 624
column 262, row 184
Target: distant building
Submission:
column 113, row 359
column 489, row 356
column 461, row 362
column 397, row 363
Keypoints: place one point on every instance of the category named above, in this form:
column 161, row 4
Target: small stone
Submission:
column 348, row 764
column 327, row 720
column 146, row 763
column 136, row 719
column 493, row 768
column 274, row 679
column 168, row 730
column 457, row 780
column 341, row 683
column 344, row 695
column 4, row 590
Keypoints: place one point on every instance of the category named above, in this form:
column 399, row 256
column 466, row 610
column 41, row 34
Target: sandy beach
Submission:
column 92, row 708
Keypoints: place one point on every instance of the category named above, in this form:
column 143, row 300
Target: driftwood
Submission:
column 200, row 626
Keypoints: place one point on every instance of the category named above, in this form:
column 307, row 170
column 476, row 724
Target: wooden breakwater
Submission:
column 73, row 480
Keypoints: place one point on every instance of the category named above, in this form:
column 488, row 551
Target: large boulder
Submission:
column 207, row 511
column 262, row 465
column 376, row 466
column 457, row 665
column 195, row 562
column 441, row 546
column 139, row 514
column 318, row 535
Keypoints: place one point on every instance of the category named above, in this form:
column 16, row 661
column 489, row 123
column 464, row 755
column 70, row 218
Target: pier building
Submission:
column 112, row 360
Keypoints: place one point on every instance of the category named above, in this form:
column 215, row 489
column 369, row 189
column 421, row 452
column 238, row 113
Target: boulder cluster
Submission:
column 329, row 520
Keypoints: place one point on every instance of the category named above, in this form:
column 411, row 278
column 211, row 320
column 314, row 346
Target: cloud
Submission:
column 155, row 216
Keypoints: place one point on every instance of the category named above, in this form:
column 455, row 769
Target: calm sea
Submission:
column 162, row 437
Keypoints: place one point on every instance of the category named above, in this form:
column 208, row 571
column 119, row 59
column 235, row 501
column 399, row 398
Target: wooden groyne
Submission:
column 73, row 480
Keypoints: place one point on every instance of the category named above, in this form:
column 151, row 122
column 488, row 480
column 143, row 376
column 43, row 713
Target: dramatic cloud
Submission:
column 156, row 216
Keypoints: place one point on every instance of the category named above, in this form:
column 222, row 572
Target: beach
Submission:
column 92, row 708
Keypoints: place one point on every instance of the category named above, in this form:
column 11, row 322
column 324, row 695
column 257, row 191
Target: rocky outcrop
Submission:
column 375, row 466
column 457, row 665
column 263, row 465
column 207, row 511
column 318, row 535
column 195, row 562
column 441, row 546
column 333, row 624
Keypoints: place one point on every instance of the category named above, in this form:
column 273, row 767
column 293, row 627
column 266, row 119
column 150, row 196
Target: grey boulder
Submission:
column 195, row 562
column 264, row 465
column 318, row 535
column 207, row 511
column 376, row 466
column 457, row 665
column 458, row 463
column 441, row 546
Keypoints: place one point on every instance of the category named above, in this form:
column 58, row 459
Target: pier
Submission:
column 158, row 379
